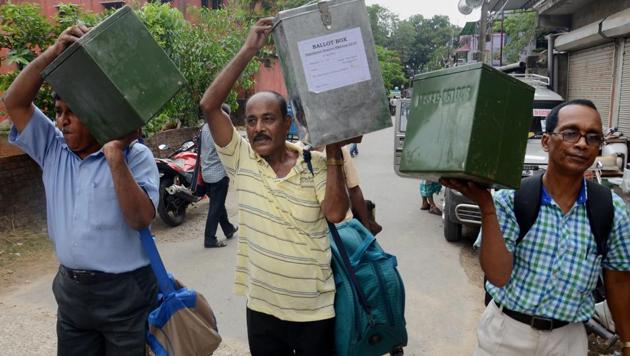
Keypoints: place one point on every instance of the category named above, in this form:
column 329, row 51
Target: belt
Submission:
column 535, row 322
column 89, row 277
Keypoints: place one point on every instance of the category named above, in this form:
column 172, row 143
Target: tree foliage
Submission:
column 383, row 23
column 24, row 32
column 420, row 43
column 520, row 29
column 391, row 67
column 199, row 48
column 262, row 8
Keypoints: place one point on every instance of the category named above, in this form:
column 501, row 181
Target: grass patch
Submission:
column 19, row 246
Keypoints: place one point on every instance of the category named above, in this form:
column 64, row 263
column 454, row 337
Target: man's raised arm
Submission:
column 218, row 121
column 18, row 99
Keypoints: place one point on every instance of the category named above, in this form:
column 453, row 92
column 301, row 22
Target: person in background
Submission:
column 354, row 150
column 217, row 185
column 427, row 190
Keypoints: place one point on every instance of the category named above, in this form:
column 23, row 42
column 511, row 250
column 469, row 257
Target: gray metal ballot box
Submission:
column 331, row 70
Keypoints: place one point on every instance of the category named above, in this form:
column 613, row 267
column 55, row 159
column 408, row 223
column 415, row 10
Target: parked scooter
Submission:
column 178, row 183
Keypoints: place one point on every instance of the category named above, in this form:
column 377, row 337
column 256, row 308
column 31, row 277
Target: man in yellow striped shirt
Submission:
column 283, row 261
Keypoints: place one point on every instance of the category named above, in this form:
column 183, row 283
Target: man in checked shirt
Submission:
column 542, row 286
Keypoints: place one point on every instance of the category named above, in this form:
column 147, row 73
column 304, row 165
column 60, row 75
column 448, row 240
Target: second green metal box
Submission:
column 116, row 77
column 469, row 122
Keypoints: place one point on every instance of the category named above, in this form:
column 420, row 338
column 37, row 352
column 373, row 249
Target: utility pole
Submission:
column 483, row 23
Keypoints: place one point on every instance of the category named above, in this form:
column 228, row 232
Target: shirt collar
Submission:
column 546, row 199
column 292, row 146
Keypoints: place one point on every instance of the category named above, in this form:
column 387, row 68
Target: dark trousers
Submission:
column 217, row 192
column 103, row 314
column 270, row 336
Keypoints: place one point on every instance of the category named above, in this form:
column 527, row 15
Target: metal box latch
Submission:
column 325, row 12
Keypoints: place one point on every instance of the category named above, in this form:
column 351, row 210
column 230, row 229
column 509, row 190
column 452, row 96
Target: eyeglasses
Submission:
column 572, row 136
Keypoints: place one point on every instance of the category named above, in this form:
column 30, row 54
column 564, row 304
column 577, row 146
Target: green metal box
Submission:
column 116, row 77
column 469, row 122
column 331, row 70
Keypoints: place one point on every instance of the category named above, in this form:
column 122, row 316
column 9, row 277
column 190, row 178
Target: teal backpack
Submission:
column 370, row 296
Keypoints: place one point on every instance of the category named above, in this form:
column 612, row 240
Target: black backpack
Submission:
column 599, row 208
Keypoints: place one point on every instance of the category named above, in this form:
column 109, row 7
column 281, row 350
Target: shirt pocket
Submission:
column 582, row 269
column 104, row 210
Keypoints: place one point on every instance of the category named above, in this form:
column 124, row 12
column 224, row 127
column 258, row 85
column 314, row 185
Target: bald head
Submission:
column 269, row 95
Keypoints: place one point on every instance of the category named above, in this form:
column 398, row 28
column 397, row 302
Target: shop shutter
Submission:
column 591, row 73
column 624, row 99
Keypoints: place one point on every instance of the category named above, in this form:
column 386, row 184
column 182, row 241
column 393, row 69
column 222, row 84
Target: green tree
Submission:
column 260, row 8
column 383, row 23
column 520, row 29
column 200, row 49
column 25, row 32
column 72, row 14
column 391, row 68
column 432, row 39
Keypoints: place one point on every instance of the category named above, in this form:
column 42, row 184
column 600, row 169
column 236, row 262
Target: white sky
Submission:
column 427, row 8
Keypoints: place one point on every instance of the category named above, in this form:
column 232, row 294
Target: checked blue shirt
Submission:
column 556, row 265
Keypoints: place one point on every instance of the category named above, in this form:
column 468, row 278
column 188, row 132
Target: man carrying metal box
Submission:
column 541, row 279
column 283, row 262
column 97, row 197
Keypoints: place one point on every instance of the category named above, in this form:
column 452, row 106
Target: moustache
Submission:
column 261, row 136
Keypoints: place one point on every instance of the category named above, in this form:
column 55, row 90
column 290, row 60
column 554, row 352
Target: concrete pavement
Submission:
column 442, row 280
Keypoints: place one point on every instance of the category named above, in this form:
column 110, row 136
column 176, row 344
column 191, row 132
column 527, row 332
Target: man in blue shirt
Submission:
column 542, row 287
column 97, row 197
column 217, row 185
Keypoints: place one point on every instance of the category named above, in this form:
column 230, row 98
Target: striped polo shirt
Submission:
column 283, row 253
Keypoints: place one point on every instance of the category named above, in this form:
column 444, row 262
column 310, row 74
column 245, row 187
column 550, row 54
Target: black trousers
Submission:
column 103, row 314
column 217, row 192
column 270, row 336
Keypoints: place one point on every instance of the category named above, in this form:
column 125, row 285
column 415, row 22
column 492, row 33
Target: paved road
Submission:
column 443, row 282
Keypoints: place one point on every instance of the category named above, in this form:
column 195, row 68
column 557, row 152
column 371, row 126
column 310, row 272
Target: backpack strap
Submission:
column 527, row 204
column 601, row 213
column 345, row 258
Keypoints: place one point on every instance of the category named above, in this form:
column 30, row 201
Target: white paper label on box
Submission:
column 334, row 61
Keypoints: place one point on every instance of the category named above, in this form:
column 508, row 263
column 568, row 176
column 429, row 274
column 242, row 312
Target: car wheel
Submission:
column 452, row 231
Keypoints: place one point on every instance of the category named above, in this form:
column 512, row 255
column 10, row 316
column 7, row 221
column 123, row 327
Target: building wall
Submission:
column 597, row 10
column 23, row 202
column 172, row 138
column 269, row 77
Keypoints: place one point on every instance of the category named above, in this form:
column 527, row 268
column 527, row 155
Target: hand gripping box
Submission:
column 469, row 122
column 331, row 70
column 116, row 77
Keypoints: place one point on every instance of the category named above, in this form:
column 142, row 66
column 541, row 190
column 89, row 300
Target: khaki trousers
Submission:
column 500, row 335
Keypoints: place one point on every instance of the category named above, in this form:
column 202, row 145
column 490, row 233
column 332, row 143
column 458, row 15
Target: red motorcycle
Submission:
column 178, row 182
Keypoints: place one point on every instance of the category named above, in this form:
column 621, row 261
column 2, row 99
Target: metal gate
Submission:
column 624, row 97
column 591, row 73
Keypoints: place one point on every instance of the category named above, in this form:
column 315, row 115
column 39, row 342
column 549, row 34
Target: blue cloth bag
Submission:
column 183, row 322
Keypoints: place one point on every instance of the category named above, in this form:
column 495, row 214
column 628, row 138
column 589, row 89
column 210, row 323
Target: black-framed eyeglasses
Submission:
column 572, row 136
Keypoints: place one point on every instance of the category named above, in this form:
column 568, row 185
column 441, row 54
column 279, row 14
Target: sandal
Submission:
column 435, row 210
